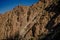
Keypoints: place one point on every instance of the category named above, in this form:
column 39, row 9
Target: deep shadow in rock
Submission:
column 54, row 32
column 33, row 30
column 53, row 8
column 54, row 35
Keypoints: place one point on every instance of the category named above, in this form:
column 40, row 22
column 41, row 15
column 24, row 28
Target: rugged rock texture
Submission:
column 40, row 21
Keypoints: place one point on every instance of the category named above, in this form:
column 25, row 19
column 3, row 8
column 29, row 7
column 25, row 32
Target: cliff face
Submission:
column 30, row 22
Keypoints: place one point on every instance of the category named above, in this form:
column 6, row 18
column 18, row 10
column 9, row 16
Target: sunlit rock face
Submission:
column 31, row 22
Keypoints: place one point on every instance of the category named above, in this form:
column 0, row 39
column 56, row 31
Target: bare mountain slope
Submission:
column 30, row 22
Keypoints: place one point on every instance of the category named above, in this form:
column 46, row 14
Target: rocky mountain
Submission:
column 41, row 21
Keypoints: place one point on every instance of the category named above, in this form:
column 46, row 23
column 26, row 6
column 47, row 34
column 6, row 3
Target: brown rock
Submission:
column 28, row 22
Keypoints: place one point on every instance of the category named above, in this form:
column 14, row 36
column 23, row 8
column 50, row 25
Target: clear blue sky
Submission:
column 7, row 5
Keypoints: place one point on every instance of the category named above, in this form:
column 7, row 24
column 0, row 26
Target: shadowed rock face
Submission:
column 40, row 21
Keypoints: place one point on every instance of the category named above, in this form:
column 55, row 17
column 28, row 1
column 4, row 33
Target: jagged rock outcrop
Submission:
column 34, row 22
